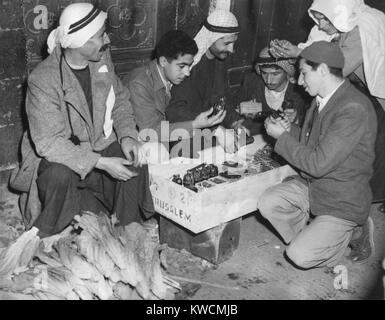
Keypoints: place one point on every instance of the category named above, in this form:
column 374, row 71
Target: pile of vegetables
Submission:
column 91, row 259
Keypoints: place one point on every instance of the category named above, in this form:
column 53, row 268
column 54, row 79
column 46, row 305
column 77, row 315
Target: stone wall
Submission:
column 134, row 27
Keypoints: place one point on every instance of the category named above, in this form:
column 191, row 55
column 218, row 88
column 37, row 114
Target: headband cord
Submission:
column 219, row 29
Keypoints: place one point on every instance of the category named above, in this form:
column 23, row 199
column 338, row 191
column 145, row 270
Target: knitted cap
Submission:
column 324, row 52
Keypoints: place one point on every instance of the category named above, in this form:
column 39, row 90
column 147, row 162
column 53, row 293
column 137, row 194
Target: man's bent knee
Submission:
column 267, row 202
column 56, row 174
column 300, row 256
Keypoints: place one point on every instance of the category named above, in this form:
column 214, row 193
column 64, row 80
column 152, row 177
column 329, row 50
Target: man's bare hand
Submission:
column 132, row 149
column 238, row 126
column 117, row 168
column 284, row 49
column 291, row 115
column 227, row 139
column 275, row 128
column 204, row 120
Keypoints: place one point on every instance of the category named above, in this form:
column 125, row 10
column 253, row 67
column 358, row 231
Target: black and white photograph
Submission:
column 192, row 155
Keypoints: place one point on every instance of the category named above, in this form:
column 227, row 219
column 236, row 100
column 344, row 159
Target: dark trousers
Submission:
column 63, row 194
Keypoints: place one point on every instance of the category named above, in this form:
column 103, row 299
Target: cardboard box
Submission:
column 207, row 209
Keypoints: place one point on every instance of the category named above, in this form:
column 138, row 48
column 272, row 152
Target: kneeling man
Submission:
column 327, row 208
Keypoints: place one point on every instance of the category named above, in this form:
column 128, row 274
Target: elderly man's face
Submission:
column 94, row 48
column 324, row 23
column 223, row 47
column 275, row 78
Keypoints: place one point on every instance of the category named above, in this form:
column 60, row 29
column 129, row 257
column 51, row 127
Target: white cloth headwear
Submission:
column 220, row 23
column 345, row 15
column 78, row 23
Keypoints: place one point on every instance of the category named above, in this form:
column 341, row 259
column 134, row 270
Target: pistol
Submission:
column 276, row 114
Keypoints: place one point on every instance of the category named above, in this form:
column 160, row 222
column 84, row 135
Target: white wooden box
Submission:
column 207, row 209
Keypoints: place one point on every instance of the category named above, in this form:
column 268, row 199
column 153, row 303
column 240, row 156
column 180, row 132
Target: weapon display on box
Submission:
column 205, row 176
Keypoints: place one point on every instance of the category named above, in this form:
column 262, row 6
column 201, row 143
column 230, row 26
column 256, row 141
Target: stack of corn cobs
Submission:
column 92, row 259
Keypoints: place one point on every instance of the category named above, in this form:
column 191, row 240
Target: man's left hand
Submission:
column 133, row 151
column 238, row 126
column 291, row 115
column 274, row 128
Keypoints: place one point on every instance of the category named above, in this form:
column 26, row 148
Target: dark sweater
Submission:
column 253, row 87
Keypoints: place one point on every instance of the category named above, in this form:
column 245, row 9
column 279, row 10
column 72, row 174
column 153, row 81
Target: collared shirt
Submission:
column 321, row 102
column 149, row 100
column 167, row 84
column 275, row 99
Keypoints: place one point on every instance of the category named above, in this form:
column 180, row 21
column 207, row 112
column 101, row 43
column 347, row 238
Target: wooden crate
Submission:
column 205, row 210
column 215, row 245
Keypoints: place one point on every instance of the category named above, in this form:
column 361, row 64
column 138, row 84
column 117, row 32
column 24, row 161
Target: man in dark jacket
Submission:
column 271, row 87
column 334, row 153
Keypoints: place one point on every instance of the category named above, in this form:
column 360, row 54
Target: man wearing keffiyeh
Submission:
column 271, row 87
column 81, row 151
column 208, row 79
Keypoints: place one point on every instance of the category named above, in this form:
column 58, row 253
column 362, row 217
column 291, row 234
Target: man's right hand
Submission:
column 283, row 49
column 116, row 168
column 204, row 120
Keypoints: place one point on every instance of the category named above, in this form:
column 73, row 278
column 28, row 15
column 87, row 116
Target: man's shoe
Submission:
column 362, row 247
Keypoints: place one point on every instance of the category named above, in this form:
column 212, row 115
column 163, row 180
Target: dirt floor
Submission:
column 256, row 270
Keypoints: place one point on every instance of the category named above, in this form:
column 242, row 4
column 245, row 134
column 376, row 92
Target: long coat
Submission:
column 56, row 109
column 335, row 154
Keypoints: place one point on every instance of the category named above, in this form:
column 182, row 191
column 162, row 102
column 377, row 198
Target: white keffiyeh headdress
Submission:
column 217, row 25
column 78, row 23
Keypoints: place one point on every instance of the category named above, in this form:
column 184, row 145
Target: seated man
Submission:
column 334, row 154
column 81, row 149
column 208, row 80
column 268, row 89
column 150, row 87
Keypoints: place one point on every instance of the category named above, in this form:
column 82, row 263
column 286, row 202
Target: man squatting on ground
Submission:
column 81, row 151
column 334, row 153
column 150, row 91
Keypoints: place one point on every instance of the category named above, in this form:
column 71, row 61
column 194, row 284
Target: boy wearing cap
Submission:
column 81, row 151
column 268, row 88
column 326, row 209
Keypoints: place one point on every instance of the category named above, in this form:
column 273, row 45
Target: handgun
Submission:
column 276, row 114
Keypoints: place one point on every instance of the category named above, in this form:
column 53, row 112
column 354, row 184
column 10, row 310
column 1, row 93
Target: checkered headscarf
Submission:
column 218, row 24
column 287, row 65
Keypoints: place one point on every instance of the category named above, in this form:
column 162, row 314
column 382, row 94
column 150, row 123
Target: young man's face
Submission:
column 223, row 47
column 94, row 48
column 275, row 78
column 310, row 79
column 324, row 23
column 177, row 70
